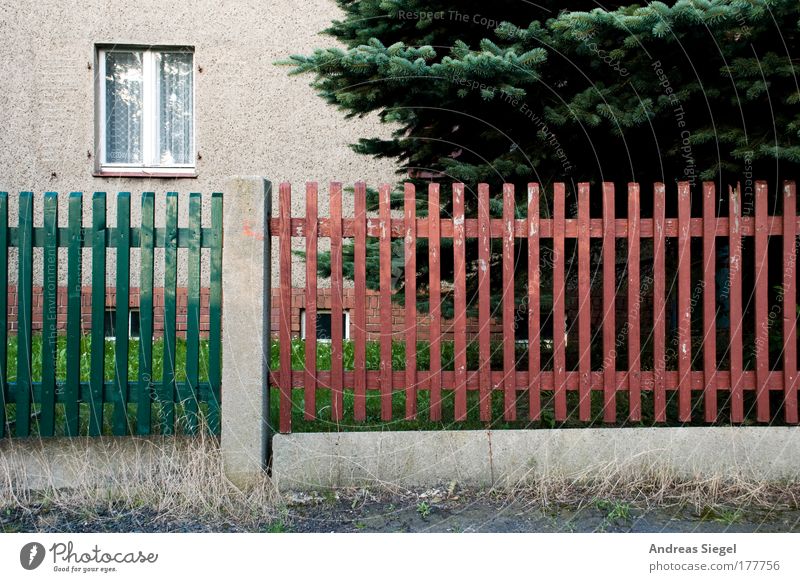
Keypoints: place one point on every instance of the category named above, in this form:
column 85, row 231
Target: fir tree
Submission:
column 518, row 92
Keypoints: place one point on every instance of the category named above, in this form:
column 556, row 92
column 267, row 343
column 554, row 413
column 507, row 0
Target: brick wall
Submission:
column 373, row 313
column 111, row 302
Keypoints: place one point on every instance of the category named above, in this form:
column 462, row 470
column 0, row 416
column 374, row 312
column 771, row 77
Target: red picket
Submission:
column 790, row 302
column 360, row 304
column 509, row 389
column 386, row 301
column 659, row 305
column 559, row 331
column 762, row 304
column 284, row 322
column 310, row 389
column 709, row 301
column 337, row 289
column 735, row 292
column 460, row 302
column 634, row 291
column 434, row 301
column 584, row 305
column 684, row 304
column 610, row 315
column 410, row 249
column 534, row 326
column 484, row 256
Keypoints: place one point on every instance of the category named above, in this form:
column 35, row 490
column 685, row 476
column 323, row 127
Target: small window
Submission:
column 145, row 111
column 324, row 325
column 110, row 323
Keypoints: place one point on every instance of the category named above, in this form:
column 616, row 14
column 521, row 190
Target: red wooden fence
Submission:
column 602, row 377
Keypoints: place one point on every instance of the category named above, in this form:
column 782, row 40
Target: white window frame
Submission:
column 150, row 117
column 345, row 331
column 130, row 322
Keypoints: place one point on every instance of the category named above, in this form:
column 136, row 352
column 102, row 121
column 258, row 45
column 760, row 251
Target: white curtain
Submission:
column 123, row 108
column 175, row 108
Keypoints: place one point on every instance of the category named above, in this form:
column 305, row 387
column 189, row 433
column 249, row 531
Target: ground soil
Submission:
column 435, row 510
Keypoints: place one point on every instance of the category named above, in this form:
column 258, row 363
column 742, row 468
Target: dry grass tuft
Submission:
column 178, row 478
column 656, row 487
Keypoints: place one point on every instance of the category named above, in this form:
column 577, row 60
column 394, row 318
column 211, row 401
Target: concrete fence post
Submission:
column 245, row 328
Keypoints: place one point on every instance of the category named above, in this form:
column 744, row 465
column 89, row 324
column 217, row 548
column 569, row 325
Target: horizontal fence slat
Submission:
column 109, row 392
column 571, row 230
column 570, row 381
column 111, row 236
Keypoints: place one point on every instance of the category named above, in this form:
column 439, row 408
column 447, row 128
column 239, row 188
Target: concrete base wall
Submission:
column 89, row 462
column 516, row 457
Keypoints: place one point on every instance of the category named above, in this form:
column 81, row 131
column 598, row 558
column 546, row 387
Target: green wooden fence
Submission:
column 63, row 396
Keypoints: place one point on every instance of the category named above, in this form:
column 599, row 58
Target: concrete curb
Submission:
column 507, row 458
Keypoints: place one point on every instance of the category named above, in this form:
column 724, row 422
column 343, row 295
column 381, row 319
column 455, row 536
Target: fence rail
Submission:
column 64, row 399
column 554, row 377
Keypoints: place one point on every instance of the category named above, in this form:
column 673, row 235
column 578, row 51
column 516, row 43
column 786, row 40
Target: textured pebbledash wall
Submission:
column 252, row 118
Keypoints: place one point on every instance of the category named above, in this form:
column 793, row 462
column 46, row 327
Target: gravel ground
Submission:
column 435, row 510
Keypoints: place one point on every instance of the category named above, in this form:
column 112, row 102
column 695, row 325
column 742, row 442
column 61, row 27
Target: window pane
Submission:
column 123, row 108
column 175, row 108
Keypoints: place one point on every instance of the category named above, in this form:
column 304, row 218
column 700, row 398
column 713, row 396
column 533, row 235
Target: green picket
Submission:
column 3, row 310
column 167, row 391
column 96, row 374
column 47, row 420
column 215, row 315
column 74, row 283
column 120, row 415
column 24, row 391
column 190, row 400
column 147, row 240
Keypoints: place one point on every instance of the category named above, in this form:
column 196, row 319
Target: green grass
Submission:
column 324, row 422
column 109, row 374
column 109, row 358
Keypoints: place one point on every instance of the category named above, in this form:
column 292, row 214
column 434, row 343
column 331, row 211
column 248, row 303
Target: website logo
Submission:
column 31, row 555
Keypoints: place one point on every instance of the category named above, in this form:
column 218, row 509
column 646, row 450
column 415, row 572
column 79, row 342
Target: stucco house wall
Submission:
column 251, row 117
